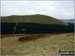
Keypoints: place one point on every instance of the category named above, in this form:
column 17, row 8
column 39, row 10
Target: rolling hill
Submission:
column 37, row 18
column 34, row 24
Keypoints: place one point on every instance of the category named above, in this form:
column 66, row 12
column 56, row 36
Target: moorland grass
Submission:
column 49, row 45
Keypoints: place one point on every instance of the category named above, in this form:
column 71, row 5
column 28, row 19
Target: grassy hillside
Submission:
column 44, row 46
column 37, row 18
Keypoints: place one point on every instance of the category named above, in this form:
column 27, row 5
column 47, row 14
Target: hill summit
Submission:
column 37, row 18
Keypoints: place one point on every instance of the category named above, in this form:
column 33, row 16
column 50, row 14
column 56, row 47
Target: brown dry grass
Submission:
column 27, row 37
column 22, row 35
column 33, row 36
column 70, row 34
column 43, row 45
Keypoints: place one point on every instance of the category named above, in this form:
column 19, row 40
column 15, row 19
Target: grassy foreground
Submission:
column 45, row 46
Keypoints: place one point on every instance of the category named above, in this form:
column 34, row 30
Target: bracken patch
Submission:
column 31, row 37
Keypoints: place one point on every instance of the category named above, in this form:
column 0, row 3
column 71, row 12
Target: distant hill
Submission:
column 69, row 20
column 37, row 18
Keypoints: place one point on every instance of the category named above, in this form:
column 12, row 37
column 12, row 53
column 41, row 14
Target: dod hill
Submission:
column 35, row 35
column 33, row 24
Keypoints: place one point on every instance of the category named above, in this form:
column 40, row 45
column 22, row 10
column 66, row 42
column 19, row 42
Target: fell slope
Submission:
column 37, row 18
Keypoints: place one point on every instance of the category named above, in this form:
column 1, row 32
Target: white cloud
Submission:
column 47, row 6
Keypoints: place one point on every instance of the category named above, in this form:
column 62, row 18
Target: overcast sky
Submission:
column 57, row 9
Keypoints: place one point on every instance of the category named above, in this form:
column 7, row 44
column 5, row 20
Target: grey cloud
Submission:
column 58, row 9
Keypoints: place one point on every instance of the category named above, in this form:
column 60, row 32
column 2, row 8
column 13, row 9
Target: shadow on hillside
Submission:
column 34, row 28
